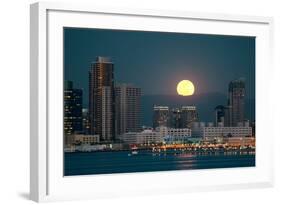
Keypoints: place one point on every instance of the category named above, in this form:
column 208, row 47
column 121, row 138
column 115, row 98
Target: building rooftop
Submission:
column 156, row 107
column 188, row 107
column 103, row 59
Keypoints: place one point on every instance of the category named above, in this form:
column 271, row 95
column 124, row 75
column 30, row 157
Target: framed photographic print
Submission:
column 127, row 102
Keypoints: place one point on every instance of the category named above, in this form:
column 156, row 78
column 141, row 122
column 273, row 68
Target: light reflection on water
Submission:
column 123, row 162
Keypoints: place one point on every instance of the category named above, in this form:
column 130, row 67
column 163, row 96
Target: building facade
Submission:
column 159, row 135
column 176, row 132
column 80, row 139
column 175, row 118
column 86, row 121
column 188, row 116
column 236, row 92
column 220, row 115
column 223, row 116
column 161, row 116
column 101, row 99
column 72, row 108
column 128, row 108
column 211, row 132
column 144, row 137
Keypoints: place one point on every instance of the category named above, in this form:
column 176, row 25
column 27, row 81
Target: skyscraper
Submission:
column 188, row 115
column 237, row 101
column 128, row 108
column 72, row 108
column 175, row 118
column 86, row 121
column 222, row 116
column 227, row 116
column 101, row 99
column 161, row 116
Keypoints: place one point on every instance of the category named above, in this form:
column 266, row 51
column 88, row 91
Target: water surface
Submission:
column 85, row 163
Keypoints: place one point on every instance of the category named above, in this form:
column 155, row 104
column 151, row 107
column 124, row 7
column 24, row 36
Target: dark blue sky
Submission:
column 157, row 61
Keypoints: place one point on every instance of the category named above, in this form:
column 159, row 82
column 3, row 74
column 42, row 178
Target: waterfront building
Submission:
column 236, row 102
column 128, row 108
column 101, row 99
column 73, row 100
column 161, row 116
column 80, row 139
column 211, row 132
column 240, row 141
column 173, row 135
column 159, row 135
column 253, row 125
column 176, row 132
column 144, row 137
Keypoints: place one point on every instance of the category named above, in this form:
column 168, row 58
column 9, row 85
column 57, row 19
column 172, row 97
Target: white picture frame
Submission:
column 47, row 182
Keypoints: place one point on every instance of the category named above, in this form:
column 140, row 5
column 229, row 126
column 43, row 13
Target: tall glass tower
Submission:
column 128, row 108
column 161, row 116
column 188, row 116
column 101, row 99
column 236, row 92
column 72, row 108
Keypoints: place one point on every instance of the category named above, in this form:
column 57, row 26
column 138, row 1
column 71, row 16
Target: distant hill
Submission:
column 205, row 104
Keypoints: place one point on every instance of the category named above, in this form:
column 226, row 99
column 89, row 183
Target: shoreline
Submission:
column 169, row 150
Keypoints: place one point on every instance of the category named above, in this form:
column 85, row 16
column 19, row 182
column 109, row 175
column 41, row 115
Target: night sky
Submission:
column 157, row 61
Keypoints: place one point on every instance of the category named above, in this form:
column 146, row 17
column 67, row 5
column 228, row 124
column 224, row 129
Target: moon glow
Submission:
column 185, row 88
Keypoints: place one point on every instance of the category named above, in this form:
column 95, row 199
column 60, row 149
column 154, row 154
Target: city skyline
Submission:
column 231, row 104
column 114, row 109
column 119, row 114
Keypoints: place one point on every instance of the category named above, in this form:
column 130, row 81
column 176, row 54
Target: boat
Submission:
column 134, row 151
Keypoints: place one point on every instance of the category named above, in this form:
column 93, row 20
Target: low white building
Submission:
column 159, row 135
column 144, row 137
column 89, row 148
column 183, row 132
column 215, row 132
column 176, row 132
column 81, row 139
column 173, row 135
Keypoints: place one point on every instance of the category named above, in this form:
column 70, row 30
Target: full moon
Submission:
column 185, row 88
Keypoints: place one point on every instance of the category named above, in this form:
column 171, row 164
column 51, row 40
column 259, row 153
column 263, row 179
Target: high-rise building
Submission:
column 86, row 121
column 188, row 116
column 227, row 116
column 220, row 115
column 101, row 99
column 161, row 116
column 175, row 118
column 237, row 101
column 223, row 116
column 128, row 108
column 72, row 108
